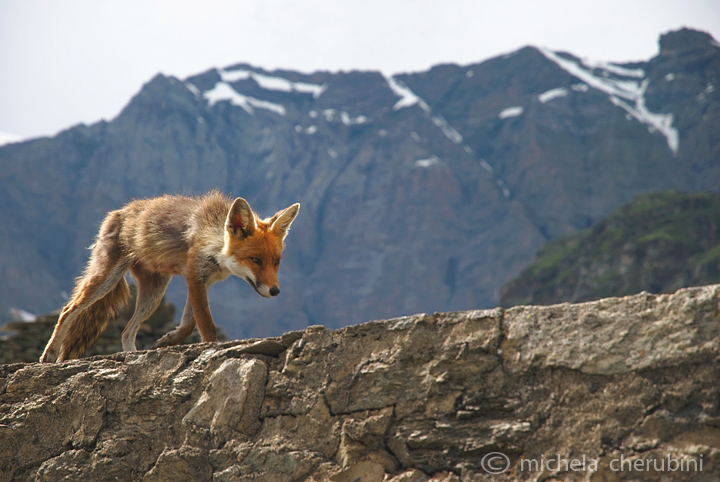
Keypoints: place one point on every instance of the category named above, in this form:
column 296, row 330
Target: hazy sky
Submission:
column 63, row 62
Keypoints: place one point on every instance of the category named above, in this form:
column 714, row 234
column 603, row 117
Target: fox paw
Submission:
column 166, row 340
column 49, row 356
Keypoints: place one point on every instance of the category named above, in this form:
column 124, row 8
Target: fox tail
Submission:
column 91, row 322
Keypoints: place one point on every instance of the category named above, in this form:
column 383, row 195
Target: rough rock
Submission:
column 564, row 392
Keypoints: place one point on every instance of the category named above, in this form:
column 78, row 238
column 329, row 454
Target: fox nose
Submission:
column 274, row 291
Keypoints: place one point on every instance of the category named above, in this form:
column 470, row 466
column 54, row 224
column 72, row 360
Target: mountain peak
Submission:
column 683, row 40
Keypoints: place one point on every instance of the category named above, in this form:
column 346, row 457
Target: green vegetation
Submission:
column 658, row 242
column 709, row 256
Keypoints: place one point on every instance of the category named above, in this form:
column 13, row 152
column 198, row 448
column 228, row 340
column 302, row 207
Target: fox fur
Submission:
column 205, row 239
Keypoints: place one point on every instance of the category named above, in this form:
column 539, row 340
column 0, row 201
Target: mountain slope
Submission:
column 657, row 243
column 422, row 192
column 571, row 147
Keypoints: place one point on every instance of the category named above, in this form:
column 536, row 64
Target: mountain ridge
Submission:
column 430, row 206
column 658, row 243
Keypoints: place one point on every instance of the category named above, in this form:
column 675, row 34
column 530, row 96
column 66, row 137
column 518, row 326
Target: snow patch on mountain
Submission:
column 503, row 188
column 331, row 114
column 552, row 94
column 307, row 130
column 271, row 82
column 349, row 120
column 425, row 163
column 625, row 87
column 708, row 90
column 407, row 97
column 511, row 112
column 613, row 68
column 19, row 314
column 486, row 166
column 193, row 89
column 225, row 92
column 447, row 129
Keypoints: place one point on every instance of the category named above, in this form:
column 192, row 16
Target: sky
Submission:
column 65, row 62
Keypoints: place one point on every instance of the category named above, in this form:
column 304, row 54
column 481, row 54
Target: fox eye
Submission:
column 277, row 263
column 257, row 261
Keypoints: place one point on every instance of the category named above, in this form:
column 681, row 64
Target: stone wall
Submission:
column 618, row 389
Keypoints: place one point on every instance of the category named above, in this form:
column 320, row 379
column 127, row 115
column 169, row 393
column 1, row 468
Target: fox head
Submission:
column 253, row 247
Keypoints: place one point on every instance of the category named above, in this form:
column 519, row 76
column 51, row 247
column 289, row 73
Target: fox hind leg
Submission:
column 151, row 288
column 187, row 325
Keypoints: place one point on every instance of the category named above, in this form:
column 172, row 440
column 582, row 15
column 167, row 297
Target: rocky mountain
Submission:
column 421, row 192
column 657, row 243
column 621, row 389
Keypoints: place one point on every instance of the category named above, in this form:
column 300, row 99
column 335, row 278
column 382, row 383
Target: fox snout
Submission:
column 267, row 293
column 262, row 289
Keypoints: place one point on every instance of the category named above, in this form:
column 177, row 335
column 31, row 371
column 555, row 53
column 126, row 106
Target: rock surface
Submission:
column 564, row 392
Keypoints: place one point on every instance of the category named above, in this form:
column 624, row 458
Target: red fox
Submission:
column 205, row 239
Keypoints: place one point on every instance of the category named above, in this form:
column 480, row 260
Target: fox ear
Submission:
column 240, row 219
column 283, row 219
